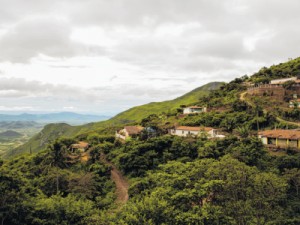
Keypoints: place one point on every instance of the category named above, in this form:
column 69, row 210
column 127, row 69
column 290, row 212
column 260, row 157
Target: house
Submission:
column 129, row 131
column 281, row 138
column 295, row 103
column 80, row 146
column 194, row 109
column 185, row 131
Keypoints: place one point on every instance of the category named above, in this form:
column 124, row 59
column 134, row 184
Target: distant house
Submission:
column 185, row 131
column 129, row 131
column 295, row 103
column 80, row 146
column 194, row 109
column 281, row 138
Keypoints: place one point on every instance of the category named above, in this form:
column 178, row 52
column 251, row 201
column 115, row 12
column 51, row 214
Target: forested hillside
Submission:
column 172, row 179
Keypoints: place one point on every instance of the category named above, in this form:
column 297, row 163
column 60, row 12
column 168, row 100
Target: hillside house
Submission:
column 80, row 146
column 184, row 131
column 281, row 138
column 194, row 109
column 129, row 131
column 295, row 103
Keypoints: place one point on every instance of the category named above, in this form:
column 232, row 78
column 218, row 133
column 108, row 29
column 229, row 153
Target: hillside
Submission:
column 47, row 135
column 135, row 114
column 10, row 134
column 19, row 124
column 140, row 112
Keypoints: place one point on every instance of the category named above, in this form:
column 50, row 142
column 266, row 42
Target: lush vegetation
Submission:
column 173, row 180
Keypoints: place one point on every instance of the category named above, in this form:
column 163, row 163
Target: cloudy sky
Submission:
column 105, row 56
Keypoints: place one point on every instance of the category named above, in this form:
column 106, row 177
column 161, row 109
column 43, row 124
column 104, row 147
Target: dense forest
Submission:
column 173, row 180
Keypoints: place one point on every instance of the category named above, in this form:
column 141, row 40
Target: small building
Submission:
column 194, row 109
column 129, row 131
column 295, row 103
column 184, row 131
column 80, row 146
column 281, row 138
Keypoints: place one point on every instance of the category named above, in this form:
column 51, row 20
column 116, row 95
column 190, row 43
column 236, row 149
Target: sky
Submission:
column 103, row 57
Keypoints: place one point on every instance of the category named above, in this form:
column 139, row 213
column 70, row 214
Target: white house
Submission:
column 194, row 109
column 185, row 131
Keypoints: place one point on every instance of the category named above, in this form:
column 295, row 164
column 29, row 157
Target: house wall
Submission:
column 282, row 143
column 190, row 110
column 187, row 111
column 183, row 133
column 264, row 140
column 293, row 143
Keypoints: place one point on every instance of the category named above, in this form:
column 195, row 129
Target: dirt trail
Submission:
column 242, row 98
column 120, row 181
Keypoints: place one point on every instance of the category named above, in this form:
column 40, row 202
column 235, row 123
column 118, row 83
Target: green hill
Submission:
column 48, row 134
column 139, row 112
column 135, row 114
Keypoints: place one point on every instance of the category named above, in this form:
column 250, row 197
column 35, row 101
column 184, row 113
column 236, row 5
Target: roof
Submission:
column 206, row 129
column 281, row 134
column 80, row 144
column 133, row 129
column 195, row 107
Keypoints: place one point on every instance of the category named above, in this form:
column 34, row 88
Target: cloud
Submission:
column 22, row 88
column 41, row 36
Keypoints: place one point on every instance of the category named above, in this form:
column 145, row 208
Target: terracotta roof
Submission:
column 194, row 128
column 281, row 134
column 133, row 129
column 194, row 107
column 80, row 144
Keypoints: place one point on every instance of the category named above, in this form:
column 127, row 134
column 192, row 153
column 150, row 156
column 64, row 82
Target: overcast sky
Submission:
column 105, row 56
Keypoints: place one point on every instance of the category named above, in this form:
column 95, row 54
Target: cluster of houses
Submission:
column 183, row 131
column 271, row 138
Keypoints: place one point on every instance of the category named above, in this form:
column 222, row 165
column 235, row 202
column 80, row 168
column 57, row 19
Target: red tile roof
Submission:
column 207, row 129
column 133, row 129
column 281, row 134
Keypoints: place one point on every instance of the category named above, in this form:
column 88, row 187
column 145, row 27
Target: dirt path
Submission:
column 120, row 181
column 242, row 98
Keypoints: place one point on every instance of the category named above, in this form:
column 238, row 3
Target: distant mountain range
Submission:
column 62, row 117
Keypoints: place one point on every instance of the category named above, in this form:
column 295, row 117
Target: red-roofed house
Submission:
column 129, row 131
column 185, row 131
column 281, row 138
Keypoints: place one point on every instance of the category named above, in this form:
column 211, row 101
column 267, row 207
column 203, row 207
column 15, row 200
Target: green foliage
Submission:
column 282, row 70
